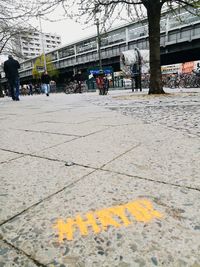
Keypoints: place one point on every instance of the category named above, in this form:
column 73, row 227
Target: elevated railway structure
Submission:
column 179, row 40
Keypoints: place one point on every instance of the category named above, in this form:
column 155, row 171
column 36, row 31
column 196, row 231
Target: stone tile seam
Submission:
column 20, row 251
column 104, row 169
column 122, row 154
column 152, row 180
column 68, row 141
column 15, row 152
column 32, row 154
column 53, row 111
column 65, row 123
column 57, row 110
column 47, row 198
column 9, row 160
column 46, row 132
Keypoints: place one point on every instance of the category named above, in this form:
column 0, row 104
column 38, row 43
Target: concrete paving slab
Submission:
column 157, row 140
column 171, row 240
column 6, row 156
column 82, row 129
column 73, row 118
column 169, row 157
column 14, row 122
column 94, row 150
column 11, row 257
column 29, row 142
column 115, row 119
column 75, row 115
column 29, row 180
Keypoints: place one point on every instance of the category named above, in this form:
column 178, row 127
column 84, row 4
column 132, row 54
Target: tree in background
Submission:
column 38, row 67
column 136, row 10
column 109, row 11
column 14, row 20
column 133, row 10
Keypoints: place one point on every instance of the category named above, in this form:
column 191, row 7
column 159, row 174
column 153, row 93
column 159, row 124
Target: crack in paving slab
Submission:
column 23, row 253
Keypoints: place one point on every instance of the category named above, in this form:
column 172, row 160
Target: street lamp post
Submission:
column 99, row 44
column 96, row 10
column 43, row 50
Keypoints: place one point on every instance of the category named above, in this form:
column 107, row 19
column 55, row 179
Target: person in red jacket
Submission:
column 100, row 83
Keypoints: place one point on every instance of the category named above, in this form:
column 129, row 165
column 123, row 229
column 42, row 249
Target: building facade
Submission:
column 31, row 45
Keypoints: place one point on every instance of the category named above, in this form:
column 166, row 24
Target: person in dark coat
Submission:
column 79, row 79
column 11, row 67
column 45, row 78
column 136, row 75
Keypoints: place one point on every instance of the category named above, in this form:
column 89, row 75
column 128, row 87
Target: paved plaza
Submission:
column 100, row 181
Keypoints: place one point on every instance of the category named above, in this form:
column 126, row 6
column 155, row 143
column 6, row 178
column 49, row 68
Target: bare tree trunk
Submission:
column 154, row 14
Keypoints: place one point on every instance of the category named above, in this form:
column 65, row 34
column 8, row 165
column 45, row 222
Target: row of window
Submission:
column 30, row 49
column 38, row 43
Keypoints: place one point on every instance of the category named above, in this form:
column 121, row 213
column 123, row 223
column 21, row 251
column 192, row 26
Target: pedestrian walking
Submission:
column 30, row 88
column 105, row 85
column 79, row 79
column 136, row 75
column 11, row 67
column 45, row 78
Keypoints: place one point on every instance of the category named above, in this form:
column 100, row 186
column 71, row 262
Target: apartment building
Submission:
column 31, row 45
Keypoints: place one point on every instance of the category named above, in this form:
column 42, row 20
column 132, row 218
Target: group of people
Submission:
column 11, row 67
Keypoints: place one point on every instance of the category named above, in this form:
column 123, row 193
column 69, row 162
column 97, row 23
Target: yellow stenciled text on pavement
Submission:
column 141, row 210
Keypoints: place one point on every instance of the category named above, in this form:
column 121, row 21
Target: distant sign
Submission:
column 96, row 71
column 40, row 68
column 188, row 67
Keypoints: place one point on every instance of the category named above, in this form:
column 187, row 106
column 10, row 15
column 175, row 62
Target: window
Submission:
column 66, row 52
column 113, row 37
column 135, row 33
column 86, row 45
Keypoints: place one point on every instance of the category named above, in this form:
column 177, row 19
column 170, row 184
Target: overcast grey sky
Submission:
column 68, row 30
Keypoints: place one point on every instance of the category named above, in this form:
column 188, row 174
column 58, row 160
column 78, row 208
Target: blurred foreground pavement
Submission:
column 100, row 181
